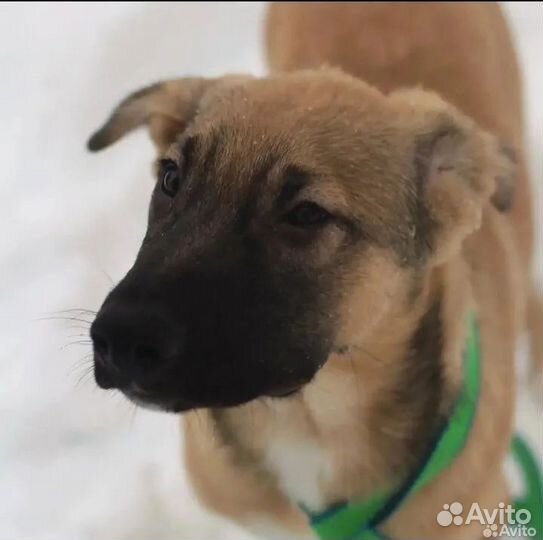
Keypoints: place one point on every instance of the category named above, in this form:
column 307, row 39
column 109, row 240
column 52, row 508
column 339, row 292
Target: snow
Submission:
column 77, row 463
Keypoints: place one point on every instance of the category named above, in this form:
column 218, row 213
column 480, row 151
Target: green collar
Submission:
column 361, row 519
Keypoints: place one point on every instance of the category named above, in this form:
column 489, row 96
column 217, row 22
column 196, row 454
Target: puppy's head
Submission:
column 277, row 201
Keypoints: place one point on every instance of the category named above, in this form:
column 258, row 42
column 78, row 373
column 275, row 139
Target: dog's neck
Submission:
column 364, row 423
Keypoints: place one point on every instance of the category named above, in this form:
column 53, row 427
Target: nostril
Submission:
column 100, row 343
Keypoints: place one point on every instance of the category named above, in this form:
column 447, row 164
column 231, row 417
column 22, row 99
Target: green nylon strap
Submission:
column 349, row 521
column 457, row 431
column 356, row 520
column 370, row 534
column 532, row 498
column 359, row 520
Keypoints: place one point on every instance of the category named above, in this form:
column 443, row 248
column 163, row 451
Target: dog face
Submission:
column 288, row 213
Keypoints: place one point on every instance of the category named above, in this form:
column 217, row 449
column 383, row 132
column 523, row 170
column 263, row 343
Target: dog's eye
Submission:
column 307, row 214
column 169, row 177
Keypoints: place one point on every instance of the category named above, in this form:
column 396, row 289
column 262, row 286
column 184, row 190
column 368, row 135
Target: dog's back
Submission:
column 462, row 51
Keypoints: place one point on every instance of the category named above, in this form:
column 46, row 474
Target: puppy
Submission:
column 317, row 240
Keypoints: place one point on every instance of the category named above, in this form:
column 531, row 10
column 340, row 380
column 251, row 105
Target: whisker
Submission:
column 62, row 318
column 108, row 277
column 120, row 400
column 81, row 343
column 78, row 327
column 85, row 365
column 84, row 377
column 369, row 353
column 74, row 310
column 83, row 362
column 133, row 414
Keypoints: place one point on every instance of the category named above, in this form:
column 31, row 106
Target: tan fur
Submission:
column 461, row 50
column 391, row 47
column 444, row 73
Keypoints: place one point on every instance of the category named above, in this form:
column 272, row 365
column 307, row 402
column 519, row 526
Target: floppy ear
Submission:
column 165, row 107
column 459, row 169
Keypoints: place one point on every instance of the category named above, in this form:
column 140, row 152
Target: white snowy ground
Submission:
column 75, row 463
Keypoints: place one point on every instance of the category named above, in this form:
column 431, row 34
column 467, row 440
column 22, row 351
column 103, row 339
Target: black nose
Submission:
column 133, row 345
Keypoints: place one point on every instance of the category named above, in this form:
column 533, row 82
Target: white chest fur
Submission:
column 301, row 467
